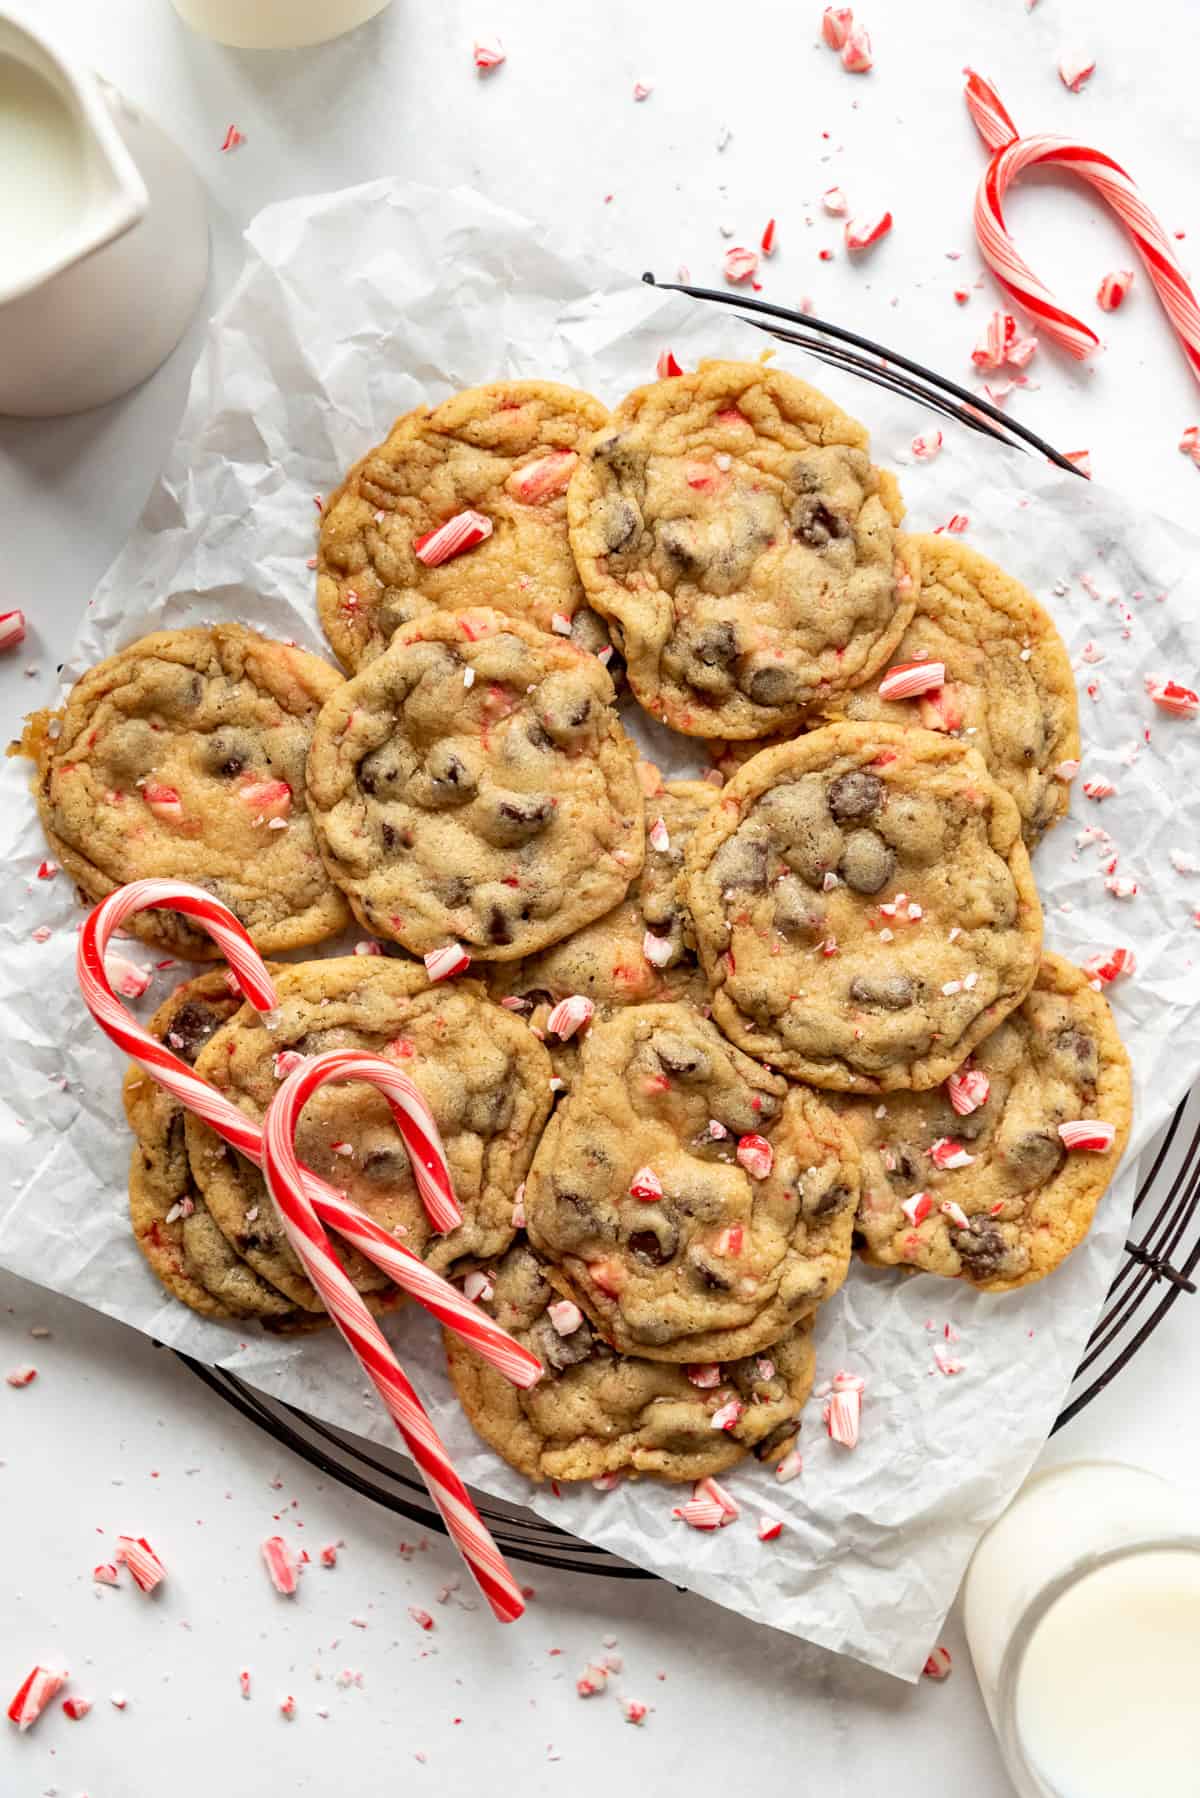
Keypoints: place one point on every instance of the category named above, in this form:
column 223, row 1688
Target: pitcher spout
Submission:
column 71, row 185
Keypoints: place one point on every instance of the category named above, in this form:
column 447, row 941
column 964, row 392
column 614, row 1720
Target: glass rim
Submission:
column 1039, row 1606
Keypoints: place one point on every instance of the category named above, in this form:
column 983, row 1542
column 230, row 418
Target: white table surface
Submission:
column 115, row 1436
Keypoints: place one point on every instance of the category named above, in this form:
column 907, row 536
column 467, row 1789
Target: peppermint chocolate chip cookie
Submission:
column 864, row 906
column 474, row 785
column 171, row 1223
column 1006, row 684
column 695, row 1205
column 975, row 1180
column 595, row 1412
column 183, row 758
column 732, row 526
column 642, row 950
column 485, row 1076
column 504, row 452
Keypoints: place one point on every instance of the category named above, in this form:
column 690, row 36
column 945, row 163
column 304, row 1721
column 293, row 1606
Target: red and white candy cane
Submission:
column 408, row 1271
column 285, row 1182
column 1012, row 154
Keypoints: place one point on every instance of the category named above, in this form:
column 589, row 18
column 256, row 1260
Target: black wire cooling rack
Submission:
column 1163, row 1250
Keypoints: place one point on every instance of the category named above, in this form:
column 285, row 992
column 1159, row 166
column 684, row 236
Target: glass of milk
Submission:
column 1082, row 1609
column 275, row 24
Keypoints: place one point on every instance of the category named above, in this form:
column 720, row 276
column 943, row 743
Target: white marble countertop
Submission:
column 115, row 1436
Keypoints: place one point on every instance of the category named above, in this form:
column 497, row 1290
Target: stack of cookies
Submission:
column 702, row 1040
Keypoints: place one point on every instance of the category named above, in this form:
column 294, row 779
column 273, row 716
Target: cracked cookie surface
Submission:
column 731, row 524
column 1027, row 1199
column 695, row 1205
column 183, row 758
column 484, row 1075
column 864, row 906
column 474, row 784
column 507, row 451
column 595, row 1412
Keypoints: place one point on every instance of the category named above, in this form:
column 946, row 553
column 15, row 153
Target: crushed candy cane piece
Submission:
column 1170, row 696
column 462, row 532
column 421, row 1618
column 945, row 1152
column 856, row 51
column 635, row 1710
column 1021, row 352
column 642, row 90
column 843, row 1417
column 565, row 1316
column 444, row 963
column 1113, row 290
column 281, row 1565
column 12, row 629
column 489, row 53
column 124, row 976
column 917, row 1208
column 708, row 1489
column 1098, row 789
column 1080, row 459
column 478, row 1285
column 938, row 1664
column 740, row 264
column 1075, row 69
column 1111, row 965
column 755, row 1154
column 769, row 1528
column 266, row 798
column 164, row 802
column 945, row 1362
column 790, row 1468
column 700, row 1514
column 592, row 1681
column 569, row 1016
column 991, row 348
column 47, row 870
column 704, row 1374
column 953, row 1210
column 657, row 949
column 836, row 23
column 144, row 1565
column 927, row 445
column 1066, row 770
column 105, row 1574
column 76, row 1708
column 1088, row 1133
column 1189, row 443
column 1121, row 887
column 968, row 1090
column 38, row 1689
column 906, row 679
column 544, row 478
column 835, row 203
column 646, row 1185
column 329, row 1554
column 21, row 1376
column 666, row 368
column 727, row 1416
column 660, row 836
column 518, row 1210
column 233, row 137
column 767, row 242
column 867, row 229
column 369, row 947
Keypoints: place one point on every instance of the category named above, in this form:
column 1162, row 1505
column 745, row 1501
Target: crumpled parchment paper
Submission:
column 353, row 307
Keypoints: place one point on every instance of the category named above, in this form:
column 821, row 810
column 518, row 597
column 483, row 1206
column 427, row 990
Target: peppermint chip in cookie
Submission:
column 731, row 525
column 183, row 758
column 502, row 454
column 975, row 1180
column 1005, row 684
column 172, row 1225
column 485, row 1077
column 864, row 906
column 597, row 1412
column 642, row 950
column 694, row 1205
column 473, row 785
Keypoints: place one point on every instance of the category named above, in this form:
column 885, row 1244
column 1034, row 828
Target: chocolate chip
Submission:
column 771, row 684
column 779, row 1440
column 499, row 930
column 981, row 1248
column 651, row 1246
column 389, row 834
column 619, row 523
column 816, row 523
column 229, row 752
column 741, row 861
column 445, row 779
column 797, row 911
column 867, row 863
column 379, row 771
column 191, row 1027
column 854, row 795
column 385, row 1167
column 1081, row 1053
column 516, row 817
column 895, row 992
column 1035, row 1156
column 561, row 1352
column 679, row 1056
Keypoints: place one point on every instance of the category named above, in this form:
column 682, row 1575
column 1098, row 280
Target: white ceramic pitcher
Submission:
column 103, row 234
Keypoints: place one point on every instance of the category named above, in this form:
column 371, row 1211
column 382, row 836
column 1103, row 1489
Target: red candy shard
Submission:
column 767, row 243
column 867, row 229
column 666, row 367
column 76, row 1708
column 38, row 1689
column 856, row 51
column 12, row 629
column 646, row 1185
column 938, row 1665
column 755, row 1154
column 1088, row 1133
column 542, row 479
column 1113, row 289
column 144, row 1565
column 740, row 264
column 462, row 532
column 489, row 53
column 1170, row 696
column 907, row 679
column 281, row 1565
column 444, row 963
column 836, row 24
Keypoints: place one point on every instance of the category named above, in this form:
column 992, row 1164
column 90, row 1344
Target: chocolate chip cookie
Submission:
column 695, row 1205
column 974, row 1180
column 473, row 785
column 171, row 1223
column 595, row 1412
column 864, row 906
column 730, row 523
column 485, row 1076
column 183, row 758
column 506, row 452
column 1006, row 688
column 642, row 950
